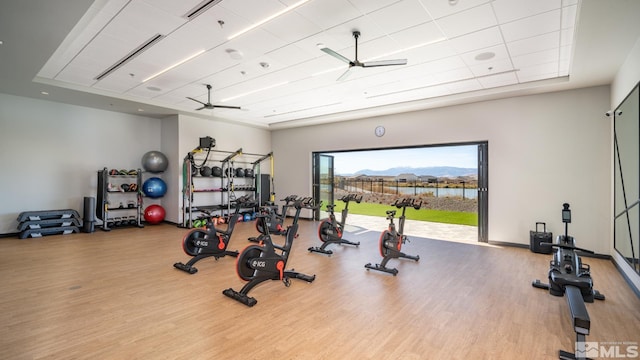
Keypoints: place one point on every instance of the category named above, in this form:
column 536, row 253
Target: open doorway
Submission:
column 449, row 178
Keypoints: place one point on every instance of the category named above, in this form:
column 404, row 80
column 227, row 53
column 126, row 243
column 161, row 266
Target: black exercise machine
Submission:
column 211, row 241
column 330, row 231
column 267, row 261
column 274, row 220
column 391, row 240
column 569, row 276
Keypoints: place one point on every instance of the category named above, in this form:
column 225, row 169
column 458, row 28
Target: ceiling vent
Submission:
column 137, row 51
column 201, row 8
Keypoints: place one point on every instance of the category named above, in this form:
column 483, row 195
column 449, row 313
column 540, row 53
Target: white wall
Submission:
column 626, row 78
column 544, row 150
column 50, row 153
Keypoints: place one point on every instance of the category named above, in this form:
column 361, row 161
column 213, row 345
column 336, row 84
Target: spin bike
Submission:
column 569, row 276
column 210, row 241
column 330, row 231
column 267, row 261
column 391, row 240
column 274, row 221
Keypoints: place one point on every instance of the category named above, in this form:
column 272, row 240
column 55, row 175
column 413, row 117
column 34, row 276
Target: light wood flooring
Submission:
column 116, row 295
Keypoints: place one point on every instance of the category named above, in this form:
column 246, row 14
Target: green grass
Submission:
column 439, row 216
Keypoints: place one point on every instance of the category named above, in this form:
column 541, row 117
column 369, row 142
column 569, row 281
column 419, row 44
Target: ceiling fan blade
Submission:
column 385, row 63
column 200, row 108
column 335, row 55
column 227, row 107
column 190, row 98
column 345, row 74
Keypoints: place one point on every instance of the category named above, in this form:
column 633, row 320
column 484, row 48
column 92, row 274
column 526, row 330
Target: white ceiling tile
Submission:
column 531, row 26
column 498, row 80
column 176, row 8
column 329, row 13
column 139, row 19
column 493, row 67
column 368, row 28
column 477, row 40
column 569, row 16
column 255, row 44
column 292, row 54
column 291, row 27
column 538, row 72
column 206, row 30
column 251, row 10
column 566, row 37
column 462, row 73
column 421, row 34
column 367, row 6
column 78, row 75
column 468, row 21
column 399, row 16
column 569, row 2
column 510, row 10
column 541, row 57
column 534, row 44
column 440, row 8
column 464, row 86
column 500, row 52
column 428, row 53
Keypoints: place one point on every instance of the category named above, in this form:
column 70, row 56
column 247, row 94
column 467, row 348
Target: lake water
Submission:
column 440, row 192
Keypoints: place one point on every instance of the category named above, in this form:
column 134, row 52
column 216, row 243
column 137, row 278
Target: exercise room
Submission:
column 320, row 179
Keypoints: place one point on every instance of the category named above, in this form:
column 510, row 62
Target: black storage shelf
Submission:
column 119, row 201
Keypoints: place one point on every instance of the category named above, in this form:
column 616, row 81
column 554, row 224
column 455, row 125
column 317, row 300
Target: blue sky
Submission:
column 465, row 156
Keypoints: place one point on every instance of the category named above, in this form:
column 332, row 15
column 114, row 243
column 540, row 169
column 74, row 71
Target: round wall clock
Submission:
column 379, row 131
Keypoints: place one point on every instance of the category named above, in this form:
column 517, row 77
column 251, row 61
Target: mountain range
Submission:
column 439, row 171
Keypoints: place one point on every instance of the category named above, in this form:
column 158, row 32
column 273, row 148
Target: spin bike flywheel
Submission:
column 243, row 268
column 388, row 242
column 326, row 231
column 190, row 239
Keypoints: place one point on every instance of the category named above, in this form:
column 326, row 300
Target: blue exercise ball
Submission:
column 154, row 187
column 154, row 161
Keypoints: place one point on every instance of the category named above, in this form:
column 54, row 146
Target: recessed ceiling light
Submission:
column 1, row 42
column 234, row 54
column 153, row 88
column 44, row 93
column 141, row 110
column 485, row 56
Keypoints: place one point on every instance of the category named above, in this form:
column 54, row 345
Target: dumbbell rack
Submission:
column 119, row 198
column 37, row 224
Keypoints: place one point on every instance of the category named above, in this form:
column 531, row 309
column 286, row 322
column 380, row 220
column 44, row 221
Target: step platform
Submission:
column 35, row 224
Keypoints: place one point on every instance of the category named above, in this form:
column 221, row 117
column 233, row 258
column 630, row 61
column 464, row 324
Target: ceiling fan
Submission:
column 356, row 62
column 209, row 105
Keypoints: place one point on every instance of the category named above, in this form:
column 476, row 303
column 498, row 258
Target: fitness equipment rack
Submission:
column 391, row 240
column 569, row 276
column 119, row 191
column 267, row 261
column 330, row 231
column 228, row 181
column 37, row 224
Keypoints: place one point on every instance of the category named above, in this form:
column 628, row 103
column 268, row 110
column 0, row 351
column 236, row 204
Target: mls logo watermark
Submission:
column 610, row 350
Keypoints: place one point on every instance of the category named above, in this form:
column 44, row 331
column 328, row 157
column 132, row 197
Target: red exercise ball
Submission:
column 154, row 214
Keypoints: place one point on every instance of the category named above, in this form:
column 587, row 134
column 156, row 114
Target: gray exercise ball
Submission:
column 155, row 162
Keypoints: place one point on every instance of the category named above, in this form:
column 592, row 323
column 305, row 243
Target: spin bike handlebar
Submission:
column 351, row 197
column 308, row 203
column 408, row 202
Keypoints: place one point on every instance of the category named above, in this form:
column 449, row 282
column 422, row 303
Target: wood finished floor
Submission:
column 116, row 295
